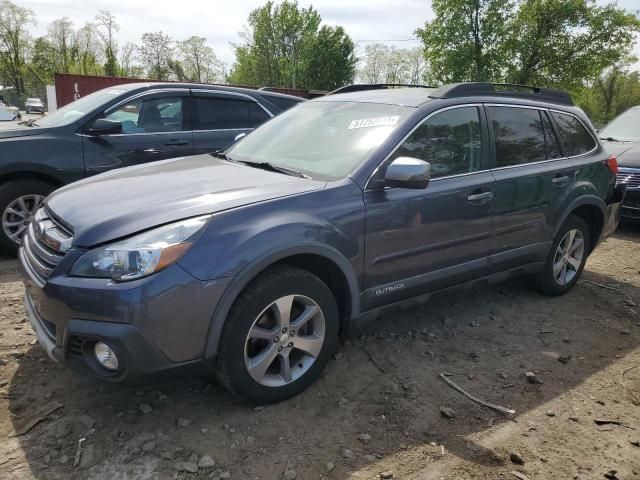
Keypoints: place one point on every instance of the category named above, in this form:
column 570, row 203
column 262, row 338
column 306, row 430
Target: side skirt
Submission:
column 374, row 313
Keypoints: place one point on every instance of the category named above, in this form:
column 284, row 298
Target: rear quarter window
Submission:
column 574, row 137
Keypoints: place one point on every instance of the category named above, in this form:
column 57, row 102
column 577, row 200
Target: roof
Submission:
column 203, row 86
column 416, row 95
column 409, row 97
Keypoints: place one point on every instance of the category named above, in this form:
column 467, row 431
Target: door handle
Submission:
column 480, row 197
column 176, row 142
column 560, row 181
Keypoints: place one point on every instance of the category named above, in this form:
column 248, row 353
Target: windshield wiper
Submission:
column 29, row 123
column 274, row 168
column 612, row 139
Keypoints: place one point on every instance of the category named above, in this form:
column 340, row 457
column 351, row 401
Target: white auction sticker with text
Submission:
column 374, row 122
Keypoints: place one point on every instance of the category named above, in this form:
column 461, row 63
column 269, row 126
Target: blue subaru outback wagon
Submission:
column 250, row 264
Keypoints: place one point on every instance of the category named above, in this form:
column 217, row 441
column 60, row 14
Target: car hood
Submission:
column 627, row 153
column 125, row 201
column 21, row 131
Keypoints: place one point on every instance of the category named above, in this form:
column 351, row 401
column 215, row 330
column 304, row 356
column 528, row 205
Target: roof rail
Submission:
column 374, row 86
column 472, row 89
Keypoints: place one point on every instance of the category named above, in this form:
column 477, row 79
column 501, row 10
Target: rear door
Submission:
column 532, row 176
column 218, row 118
column 155, row 126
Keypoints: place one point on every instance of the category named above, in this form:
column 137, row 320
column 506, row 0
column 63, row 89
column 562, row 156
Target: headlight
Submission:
column 142, row 254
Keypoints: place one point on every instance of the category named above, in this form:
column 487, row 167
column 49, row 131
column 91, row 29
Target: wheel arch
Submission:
column 592, row 210
column 319, row 259
column 31, row 175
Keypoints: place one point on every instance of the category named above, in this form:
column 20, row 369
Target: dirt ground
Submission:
column 377, row 408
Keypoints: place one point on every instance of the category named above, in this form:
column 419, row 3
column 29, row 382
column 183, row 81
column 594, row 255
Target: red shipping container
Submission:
column 70, row 87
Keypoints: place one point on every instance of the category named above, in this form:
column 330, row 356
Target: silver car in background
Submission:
column 33, row 105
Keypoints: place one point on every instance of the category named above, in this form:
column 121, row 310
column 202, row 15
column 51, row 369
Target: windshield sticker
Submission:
column 374, row 122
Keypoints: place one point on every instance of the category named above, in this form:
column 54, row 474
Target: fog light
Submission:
column 105, row 356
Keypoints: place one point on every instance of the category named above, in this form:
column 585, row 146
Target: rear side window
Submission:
column 574, row 137
column 257, row 115
column 519, row 135
column 283, row 102
column 450, row 141
column 216, row 113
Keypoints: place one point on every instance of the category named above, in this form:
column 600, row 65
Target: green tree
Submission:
column 107, row 27
column 329, row 59
column 156, row 55
column 563, row 42
column 383, row 64
column 613, row 92
column 199, row 61
column 42, row 60
column 465, row 40
column 14, row 43
column 285, row 46
column 545, row 42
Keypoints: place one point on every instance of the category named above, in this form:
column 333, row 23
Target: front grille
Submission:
column 629, row 177
column 43, row 246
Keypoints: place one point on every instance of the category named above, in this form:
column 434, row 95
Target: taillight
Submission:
column 612, row 163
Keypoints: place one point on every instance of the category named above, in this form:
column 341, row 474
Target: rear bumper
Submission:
column 614, row 211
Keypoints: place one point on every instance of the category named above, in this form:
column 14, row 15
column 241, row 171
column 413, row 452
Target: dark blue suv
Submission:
column 119, row 127
column 251, row 263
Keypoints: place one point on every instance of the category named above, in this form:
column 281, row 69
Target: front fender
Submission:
column 250, row 271
column 243, row 242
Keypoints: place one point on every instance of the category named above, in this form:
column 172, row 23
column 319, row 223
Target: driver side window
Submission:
column 151, row 115
column 450, row 141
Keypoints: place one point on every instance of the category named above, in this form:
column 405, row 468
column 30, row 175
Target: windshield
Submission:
column 321, row 139
column 624, row 127
column 75, row 110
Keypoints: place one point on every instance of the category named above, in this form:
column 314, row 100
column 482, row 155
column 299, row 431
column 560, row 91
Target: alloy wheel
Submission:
column 18, row 214
column 568, row 257
column 284, row 341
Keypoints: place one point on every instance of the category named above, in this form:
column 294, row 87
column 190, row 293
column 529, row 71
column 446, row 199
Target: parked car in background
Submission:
column 119, row 127
column 8, row 113
column 33, row 105
column 621, row 137
column 251, row 264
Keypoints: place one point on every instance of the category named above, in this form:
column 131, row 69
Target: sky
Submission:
column 392, row 22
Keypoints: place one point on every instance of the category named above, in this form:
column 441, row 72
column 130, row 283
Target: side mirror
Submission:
column 239, row 136
column 102, row 126
column 407, row 172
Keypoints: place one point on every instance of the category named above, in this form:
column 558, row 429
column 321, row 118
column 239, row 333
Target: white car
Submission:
column 9, row 113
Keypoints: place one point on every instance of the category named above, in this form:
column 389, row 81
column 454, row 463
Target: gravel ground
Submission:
column 380, row 409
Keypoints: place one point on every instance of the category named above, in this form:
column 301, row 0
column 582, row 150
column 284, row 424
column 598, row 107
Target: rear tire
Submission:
column 15, row 215
column 567, row 258
column 263, row 357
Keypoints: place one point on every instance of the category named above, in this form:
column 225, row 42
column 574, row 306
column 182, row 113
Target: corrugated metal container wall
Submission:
column 71, row 87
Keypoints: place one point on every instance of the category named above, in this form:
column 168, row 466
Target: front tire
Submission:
column 19, row 200
column 567, row 258
column 278, row 336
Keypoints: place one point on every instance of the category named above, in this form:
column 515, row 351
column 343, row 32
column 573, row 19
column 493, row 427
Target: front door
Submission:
column 421, row 240
column 155, row 126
